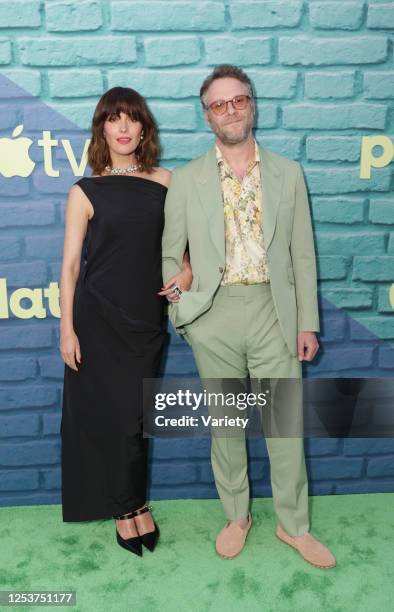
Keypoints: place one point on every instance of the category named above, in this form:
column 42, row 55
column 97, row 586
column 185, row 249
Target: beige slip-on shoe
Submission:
column 309, row 548
column 231, row 539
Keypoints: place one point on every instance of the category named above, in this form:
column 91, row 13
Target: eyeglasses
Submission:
column 219, row 107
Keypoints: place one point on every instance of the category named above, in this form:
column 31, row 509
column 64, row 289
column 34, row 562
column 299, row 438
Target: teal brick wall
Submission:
column 324, row 76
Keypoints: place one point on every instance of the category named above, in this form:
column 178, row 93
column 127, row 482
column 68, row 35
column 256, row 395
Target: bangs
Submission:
column 123, row 100
column 111, row 104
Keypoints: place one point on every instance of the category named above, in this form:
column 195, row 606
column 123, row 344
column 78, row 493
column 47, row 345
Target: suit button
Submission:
column 220, row 269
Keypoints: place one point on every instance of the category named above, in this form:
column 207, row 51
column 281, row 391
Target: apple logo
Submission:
column 14, row 155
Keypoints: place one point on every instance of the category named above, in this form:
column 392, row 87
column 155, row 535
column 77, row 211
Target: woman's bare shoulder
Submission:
column 162, row 175
column 78, row 201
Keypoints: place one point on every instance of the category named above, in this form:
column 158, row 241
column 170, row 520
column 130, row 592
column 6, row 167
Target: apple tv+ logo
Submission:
column 15, row 159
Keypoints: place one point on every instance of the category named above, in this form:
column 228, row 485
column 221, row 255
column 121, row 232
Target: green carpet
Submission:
column 39, row 551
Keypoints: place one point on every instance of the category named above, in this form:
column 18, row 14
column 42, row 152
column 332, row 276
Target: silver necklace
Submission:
column 130, row 168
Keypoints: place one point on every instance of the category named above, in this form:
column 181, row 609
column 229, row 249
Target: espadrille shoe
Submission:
column 309, row 548
column 231, row 539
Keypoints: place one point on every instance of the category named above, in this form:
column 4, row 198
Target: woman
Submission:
column 112, row 332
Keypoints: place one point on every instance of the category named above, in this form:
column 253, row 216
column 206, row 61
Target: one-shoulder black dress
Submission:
column 118, row 319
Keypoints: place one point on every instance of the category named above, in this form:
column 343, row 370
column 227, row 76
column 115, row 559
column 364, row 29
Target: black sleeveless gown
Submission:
column 118, row 319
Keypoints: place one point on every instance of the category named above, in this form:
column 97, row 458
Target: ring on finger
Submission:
column 176, row 290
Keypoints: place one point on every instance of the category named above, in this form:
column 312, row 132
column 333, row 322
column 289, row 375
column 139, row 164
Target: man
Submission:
column 252, row 306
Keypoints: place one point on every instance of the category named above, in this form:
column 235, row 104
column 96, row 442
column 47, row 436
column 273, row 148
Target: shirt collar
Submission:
column 220, row 159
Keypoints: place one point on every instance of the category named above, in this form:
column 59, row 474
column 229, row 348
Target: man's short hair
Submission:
column 226, row 71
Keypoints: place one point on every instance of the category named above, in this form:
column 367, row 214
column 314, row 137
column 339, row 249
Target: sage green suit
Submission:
column 194, row 215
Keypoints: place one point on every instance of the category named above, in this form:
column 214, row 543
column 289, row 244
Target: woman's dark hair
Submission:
column 112, row 103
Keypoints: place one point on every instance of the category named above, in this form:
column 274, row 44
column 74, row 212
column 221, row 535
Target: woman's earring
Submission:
column 142, row 136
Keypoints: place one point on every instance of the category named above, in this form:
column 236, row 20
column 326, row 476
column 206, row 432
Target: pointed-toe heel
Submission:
column 131, row 544
column 134, row 544
column 150, row 539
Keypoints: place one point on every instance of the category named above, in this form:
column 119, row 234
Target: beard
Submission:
column 228, row 136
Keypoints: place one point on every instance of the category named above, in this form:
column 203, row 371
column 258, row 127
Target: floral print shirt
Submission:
column 246, row 259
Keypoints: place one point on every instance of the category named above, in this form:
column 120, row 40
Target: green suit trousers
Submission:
column 237, row 336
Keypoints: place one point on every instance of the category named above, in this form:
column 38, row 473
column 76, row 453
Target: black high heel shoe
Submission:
column 134, row 544
column 149, row 539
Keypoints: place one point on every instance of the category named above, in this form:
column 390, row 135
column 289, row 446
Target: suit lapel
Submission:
column 210, row 195
column 271, row 187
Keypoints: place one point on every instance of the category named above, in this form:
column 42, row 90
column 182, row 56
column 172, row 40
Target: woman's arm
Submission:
column 186, row 259
column 183, row 280
column 78, row 211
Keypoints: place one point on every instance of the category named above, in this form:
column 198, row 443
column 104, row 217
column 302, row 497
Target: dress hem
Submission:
column 100, row 517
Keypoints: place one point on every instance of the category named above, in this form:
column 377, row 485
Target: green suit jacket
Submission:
column 194, row 215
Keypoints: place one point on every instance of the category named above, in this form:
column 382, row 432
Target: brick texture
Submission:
column 324, row 79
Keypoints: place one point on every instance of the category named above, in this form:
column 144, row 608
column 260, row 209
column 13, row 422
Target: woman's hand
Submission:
column 70, row 349
column 182, row 280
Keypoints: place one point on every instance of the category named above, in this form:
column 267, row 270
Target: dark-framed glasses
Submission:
column 219, row 107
